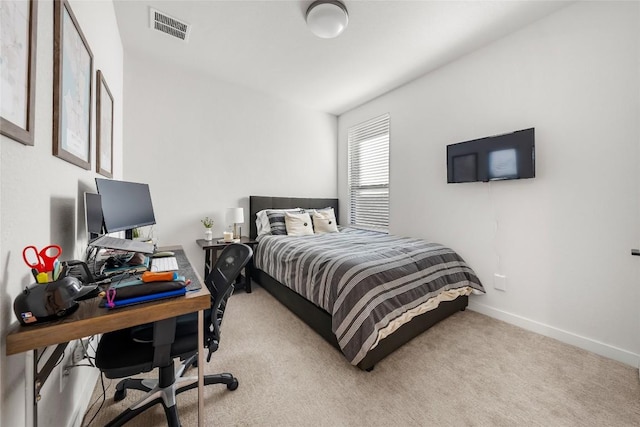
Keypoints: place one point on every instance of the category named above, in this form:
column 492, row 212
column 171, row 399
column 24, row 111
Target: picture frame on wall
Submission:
column 18, row 25
column 72, row 82
column 104, row 127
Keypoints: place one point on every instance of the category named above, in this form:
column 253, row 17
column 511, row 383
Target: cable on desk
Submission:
column 124, row 275
column 91, row 252
column 95, row 262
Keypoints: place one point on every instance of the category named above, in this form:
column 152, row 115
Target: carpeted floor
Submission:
column 468, row 370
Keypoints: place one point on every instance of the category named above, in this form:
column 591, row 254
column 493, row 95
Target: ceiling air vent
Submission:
column 162, row 22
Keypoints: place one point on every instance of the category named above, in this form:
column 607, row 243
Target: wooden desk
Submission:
column 90, row 319
column 211, row 249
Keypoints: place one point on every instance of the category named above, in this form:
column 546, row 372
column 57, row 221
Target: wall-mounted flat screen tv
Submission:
column 499, row 157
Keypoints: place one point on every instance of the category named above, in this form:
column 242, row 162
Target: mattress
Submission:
column 371, row 283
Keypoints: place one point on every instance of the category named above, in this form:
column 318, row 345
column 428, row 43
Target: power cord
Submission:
column 60, row 359
column 127, row 274
column 103, row 397
column 85, row 350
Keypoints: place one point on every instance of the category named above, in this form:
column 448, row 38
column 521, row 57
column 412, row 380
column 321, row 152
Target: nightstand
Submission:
column 211, row 250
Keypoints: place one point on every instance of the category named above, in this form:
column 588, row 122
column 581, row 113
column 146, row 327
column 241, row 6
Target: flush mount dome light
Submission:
column 327, row 18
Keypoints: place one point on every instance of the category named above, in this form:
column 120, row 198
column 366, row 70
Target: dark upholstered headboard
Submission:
column 258, row 203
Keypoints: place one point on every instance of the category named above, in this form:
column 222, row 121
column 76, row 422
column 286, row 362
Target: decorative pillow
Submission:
column 298, row 224
column 276, row 220
column 312, row 211
column 324, row 221
column 263, row 224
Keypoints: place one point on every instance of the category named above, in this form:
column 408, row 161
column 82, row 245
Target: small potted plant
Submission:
column 208, row 224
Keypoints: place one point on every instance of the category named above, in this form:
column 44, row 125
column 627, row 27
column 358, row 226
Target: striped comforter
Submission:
column 365, row 280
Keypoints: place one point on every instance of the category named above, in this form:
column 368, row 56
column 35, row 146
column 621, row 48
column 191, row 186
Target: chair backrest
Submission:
column 220, row 284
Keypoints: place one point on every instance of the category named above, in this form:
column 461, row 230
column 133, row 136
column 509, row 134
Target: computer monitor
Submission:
column 93, row 214
column 125, row 205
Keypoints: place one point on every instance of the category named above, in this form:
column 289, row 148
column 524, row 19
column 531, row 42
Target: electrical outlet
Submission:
column 500, row 282
column 79, row 350
column 78, row 354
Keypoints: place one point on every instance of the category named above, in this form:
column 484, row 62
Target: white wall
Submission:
column 41, row 199
column 562, row 239
column 204, row 146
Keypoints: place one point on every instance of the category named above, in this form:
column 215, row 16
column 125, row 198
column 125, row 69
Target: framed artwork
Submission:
column 18, row 27
column 104, row 127
column 72, row 80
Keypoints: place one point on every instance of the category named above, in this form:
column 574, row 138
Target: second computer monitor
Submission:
column 93, row 214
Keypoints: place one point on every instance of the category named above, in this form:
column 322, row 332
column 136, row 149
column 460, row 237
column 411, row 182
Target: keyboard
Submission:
column 169, row 263
column 122, row 244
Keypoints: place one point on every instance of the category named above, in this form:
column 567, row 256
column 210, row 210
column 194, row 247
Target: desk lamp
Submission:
column 235, row 216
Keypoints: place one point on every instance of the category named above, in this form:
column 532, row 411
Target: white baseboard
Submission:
column 584, row 343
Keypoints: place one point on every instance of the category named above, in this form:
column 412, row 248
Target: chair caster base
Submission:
column 119, row 395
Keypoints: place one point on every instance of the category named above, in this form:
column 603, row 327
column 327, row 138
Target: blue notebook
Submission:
column 150, row 297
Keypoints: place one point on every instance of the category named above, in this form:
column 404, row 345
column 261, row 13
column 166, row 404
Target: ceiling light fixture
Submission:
column 327, row 18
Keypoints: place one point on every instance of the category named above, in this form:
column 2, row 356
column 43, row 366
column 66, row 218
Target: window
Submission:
column 369, row 174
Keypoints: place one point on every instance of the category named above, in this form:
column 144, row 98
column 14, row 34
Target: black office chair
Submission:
column 142, row 348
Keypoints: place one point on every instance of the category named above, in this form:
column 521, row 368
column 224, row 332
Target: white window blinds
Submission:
column 369, row 174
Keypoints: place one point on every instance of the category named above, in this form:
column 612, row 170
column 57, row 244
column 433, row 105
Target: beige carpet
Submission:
column 469, row 370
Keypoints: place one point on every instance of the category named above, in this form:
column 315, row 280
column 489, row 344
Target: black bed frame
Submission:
column 319, row 319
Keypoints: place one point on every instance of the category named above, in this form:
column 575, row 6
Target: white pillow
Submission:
column 263, row 226
column 324, row 221
column 260, row 223
column 298, row 224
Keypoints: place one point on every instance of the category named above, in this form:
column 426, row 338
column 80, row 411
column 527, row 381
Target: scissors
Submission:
column 43, row 260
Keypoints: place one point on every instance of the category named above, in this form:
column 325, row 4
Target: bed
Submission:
column 385, row 291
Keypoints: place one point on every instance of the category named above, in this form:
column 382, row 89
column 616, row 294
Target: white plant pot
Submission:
column 208, row 234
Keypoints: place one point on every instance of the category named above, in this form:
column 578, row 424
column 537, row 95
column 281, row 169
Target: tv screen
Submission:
column 503, row 164
column 125, row 205
column 500, row 157
column 465, row 168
